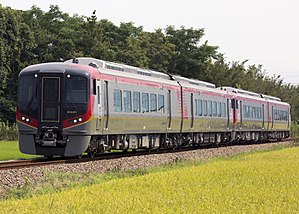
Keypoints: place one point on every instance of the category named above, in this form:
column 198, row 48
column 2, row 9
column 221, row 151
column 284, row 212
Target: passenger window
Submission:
column 223, row 110
column 205, row 108
column 161, row 104
column 136, row 102
column 215, row 109
column 117, row 100
column 196, row 107
column 210, row 108
column 253, row 112
column 153, row 102
column 127, row 101
column 145, row 102
column 199, row 107
column 219, row 110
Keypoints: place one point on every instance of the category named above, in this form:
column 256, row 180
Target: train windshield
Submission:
column 76, row 89
column 27, row 89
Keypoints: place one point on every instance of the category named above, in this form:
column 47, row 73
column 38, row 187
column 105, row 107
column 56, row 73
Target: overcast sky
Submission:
column 265, row 32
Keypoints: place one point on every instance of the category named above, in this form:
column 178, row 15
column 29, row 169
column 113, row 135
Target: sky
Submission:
column 264, row 32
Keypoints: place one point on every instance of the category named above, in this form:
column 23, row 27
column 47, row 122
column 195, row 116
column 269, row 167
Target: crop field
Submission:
column 9, row 150
column 260, row 182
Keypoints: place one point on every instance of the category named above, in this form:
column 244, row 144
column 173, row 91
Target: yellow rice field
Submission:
column 266, row 182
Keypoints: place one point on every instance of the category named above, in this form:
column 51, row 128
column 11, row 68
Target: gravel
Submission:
column 17, row 178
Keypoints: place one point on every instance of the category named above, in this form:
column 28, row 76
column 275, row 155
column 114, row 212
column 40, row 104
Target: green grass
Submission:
column 262, row 182
column 9, row 150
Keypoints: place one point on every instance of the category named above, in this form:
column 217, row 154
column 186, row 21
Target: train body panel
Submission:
column 89, row 105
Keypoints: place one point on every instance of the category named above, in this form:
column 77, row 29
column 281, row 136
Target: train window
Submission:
column 94, row 86
column 210, row 108
column 219, row 109
column 275, row 114
column 257, row 113
column 253, row 112
column 199, row 107
column 249, row 112
column 28, row 89
column 145, row 103
column 127, row 101
column 223, row 110
column 196, row 107
column 136, row 102
column 161, row 104
column 117, row 100
column 153, row 98
column 280, row 115
column 205, row 108
column 214, row 109
column 76, row 89
column 245, row 111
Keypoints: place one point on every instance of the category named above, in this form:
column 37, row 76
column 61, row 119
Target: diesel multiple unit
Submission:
column 90, row 105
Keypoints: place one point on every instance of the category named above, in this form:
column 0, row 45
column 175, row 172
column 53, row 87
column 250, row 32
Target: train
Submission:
column 88, row 105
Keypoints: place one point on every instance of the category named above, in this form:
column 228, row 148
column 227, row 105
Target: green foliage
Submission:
column 294, row 129
column 8, row 132
column 35, row 36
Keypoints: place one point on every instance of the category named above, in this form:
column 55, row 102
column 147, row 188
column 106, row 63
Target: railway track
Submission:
column 6, row 165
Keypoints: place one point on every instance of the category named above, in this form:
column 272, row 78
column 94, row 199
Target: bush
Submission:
column 294, row 129
column 8, row 132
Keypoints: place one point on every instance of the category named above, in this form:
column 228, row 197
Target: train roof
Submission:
column 240, row 91
column 112, row 66
column 254, row 95
column 53, row 67
column 97, row 63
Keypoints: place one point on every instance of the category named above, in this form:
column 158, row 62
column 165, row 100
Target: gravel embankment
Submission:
column 18, row 177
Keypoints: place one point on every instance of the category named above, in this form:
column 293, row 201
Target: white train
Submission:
column 90, row 105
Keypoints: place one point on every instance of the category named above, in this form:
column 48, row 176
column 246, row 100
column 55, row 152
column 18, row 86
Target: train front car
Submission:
column 54, row 109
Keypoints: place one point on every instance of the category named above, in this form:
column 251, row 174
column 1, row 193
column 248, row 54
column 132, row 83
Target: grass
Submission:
column 9, row 150
column 253, row 183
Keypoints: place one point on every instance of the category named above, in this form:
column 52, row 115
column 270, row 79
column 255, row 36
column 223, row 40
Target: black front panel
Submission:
column 50, row 107
column 28, row 95
column 76, row 96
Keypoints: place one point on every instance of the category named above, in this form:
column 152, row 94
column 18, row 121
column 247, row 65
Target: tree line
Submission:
column 35, row 36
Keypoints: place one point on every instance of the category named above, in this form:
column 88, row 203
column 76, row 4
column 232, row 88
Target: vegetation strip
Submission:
column 257, row 182
column 28, row 181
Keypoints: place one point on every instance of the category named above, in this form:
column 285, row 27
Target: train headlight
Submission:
column 77, row 120
column 27, row 120
column 23, row 118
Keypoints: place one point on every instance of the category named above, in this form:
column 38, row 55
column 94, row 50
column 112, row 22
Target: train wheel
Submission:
column 91, row 154
column 49, row 157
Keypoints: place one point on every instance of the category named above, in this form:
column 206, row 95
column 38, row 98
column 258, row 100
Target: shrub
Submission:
column 8, row 132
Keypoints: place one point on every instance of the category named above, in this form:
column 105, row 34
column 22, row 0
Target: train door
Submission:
column 234, row 106
column 169, row 109
column 272, row 115
column 192, row 111
column 105, row 106
column 263, row 116
column 228, row 113
column 241, row 113
column 99, row 104
column 50, row 108
column 289, row 116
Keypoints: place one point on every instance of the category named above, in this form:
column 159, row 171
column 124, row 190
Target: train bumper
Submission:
column 73, row 145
